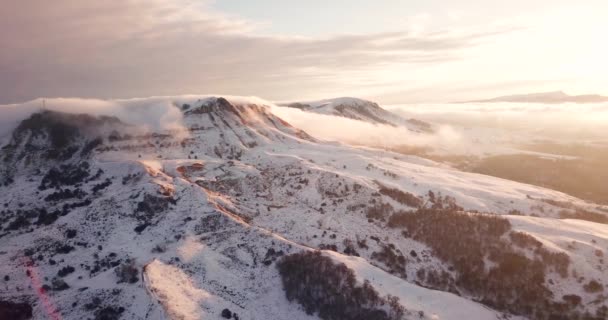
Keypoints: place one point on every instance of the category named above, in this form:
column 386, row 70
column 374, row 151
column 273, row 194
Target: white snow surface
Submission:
column 358, row 109
column 244, row 181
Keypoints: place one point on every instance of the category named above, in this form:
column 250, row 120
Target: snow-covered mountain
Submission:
column 359, row 109
column 219, row 217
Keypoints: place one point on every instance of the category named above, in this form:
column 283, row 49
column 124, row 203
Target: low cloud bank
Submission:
column 150, row 114
column 351, row 131
column 471, row 128
column 569, row 121
column 465, row 129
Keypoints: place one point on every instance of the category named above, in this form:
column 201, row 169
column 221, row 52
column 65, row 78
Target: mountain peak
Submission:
column 359, row 109
column 59, row 131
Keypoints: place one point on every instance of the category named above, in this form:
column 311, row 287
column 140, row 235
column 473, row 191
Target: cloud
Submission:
column 334, row 128
column 565, row 122
column 471, row 128
column 110, row 49
column 150, row 114
column 464, row 129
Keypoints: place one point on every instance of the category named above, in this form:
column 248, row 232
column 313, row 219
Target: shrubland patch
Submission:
column 502, row 268
column 331, row 291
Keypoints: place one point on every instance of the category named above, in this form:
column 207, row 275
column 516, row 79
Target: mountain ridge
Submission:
column 360, row 109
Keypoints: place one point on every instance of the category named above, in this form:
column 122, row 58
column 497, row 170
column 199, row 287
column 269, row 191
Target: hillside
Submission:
column 359, row 109
column 104, row 219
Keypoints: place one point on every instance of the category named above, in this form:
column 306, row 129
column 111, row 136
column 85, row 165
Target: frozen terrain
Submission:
column 186, row 210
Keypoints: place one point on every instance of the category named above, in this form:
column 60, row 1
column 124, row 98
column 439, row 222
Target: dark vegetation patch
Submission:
column 404, row 198
column 48, row 247
column 103, row 307
column 488, row 259
column 65, row 271
column 64, row 249
column 127, row 272
column 436, row 279
column 349, row 248
column 330, row 247
column 271, row 256
column 90, row 146
column 392, row 258
column 60, row 133
column 131, row 177
column 70, row 233
column 141, row 227
column 330, row 290
column 115, row 136
column 109, row 313
column 211, row 223
column 63, row 131
column 59, row 285
column 593, row 287
column 101, row 186
column 378, row 211
column 441, row 202
column 20, row 222
column 83, row 203
column 151, row 206
column 50, row 136
column 47, row 218
column 362, row 243
column 25, row 218
column 15, row 310
column 111, row 260
column 227, row 314
column 572, row 299
column 65, row 194
column 96, row 176
column 524, row 240
column 6, row 179
column 65, row 175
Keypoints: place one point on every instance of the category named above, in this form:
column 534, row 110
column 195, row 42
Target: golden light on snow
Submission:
column 190, row 249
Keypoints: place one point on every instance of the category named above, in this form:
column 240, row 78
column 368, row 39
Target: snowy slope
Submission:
column 359, row 109
column 434, row 304
column 164, row 225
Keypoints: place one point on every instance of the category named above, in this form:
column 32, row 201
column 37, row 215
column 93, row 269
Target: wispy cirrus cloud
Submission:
column 132, row 48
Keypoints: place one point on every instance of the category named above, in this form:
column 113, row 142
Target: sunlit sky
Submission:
column 391, row 51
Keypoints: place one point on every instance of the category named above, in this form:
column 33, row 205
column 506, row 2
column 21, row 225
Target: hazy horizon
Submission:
column 388, row 51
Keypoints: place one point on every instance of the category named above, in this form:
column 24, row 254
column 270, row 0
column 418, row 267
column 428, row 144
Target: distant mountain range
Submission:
column 548, row 97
